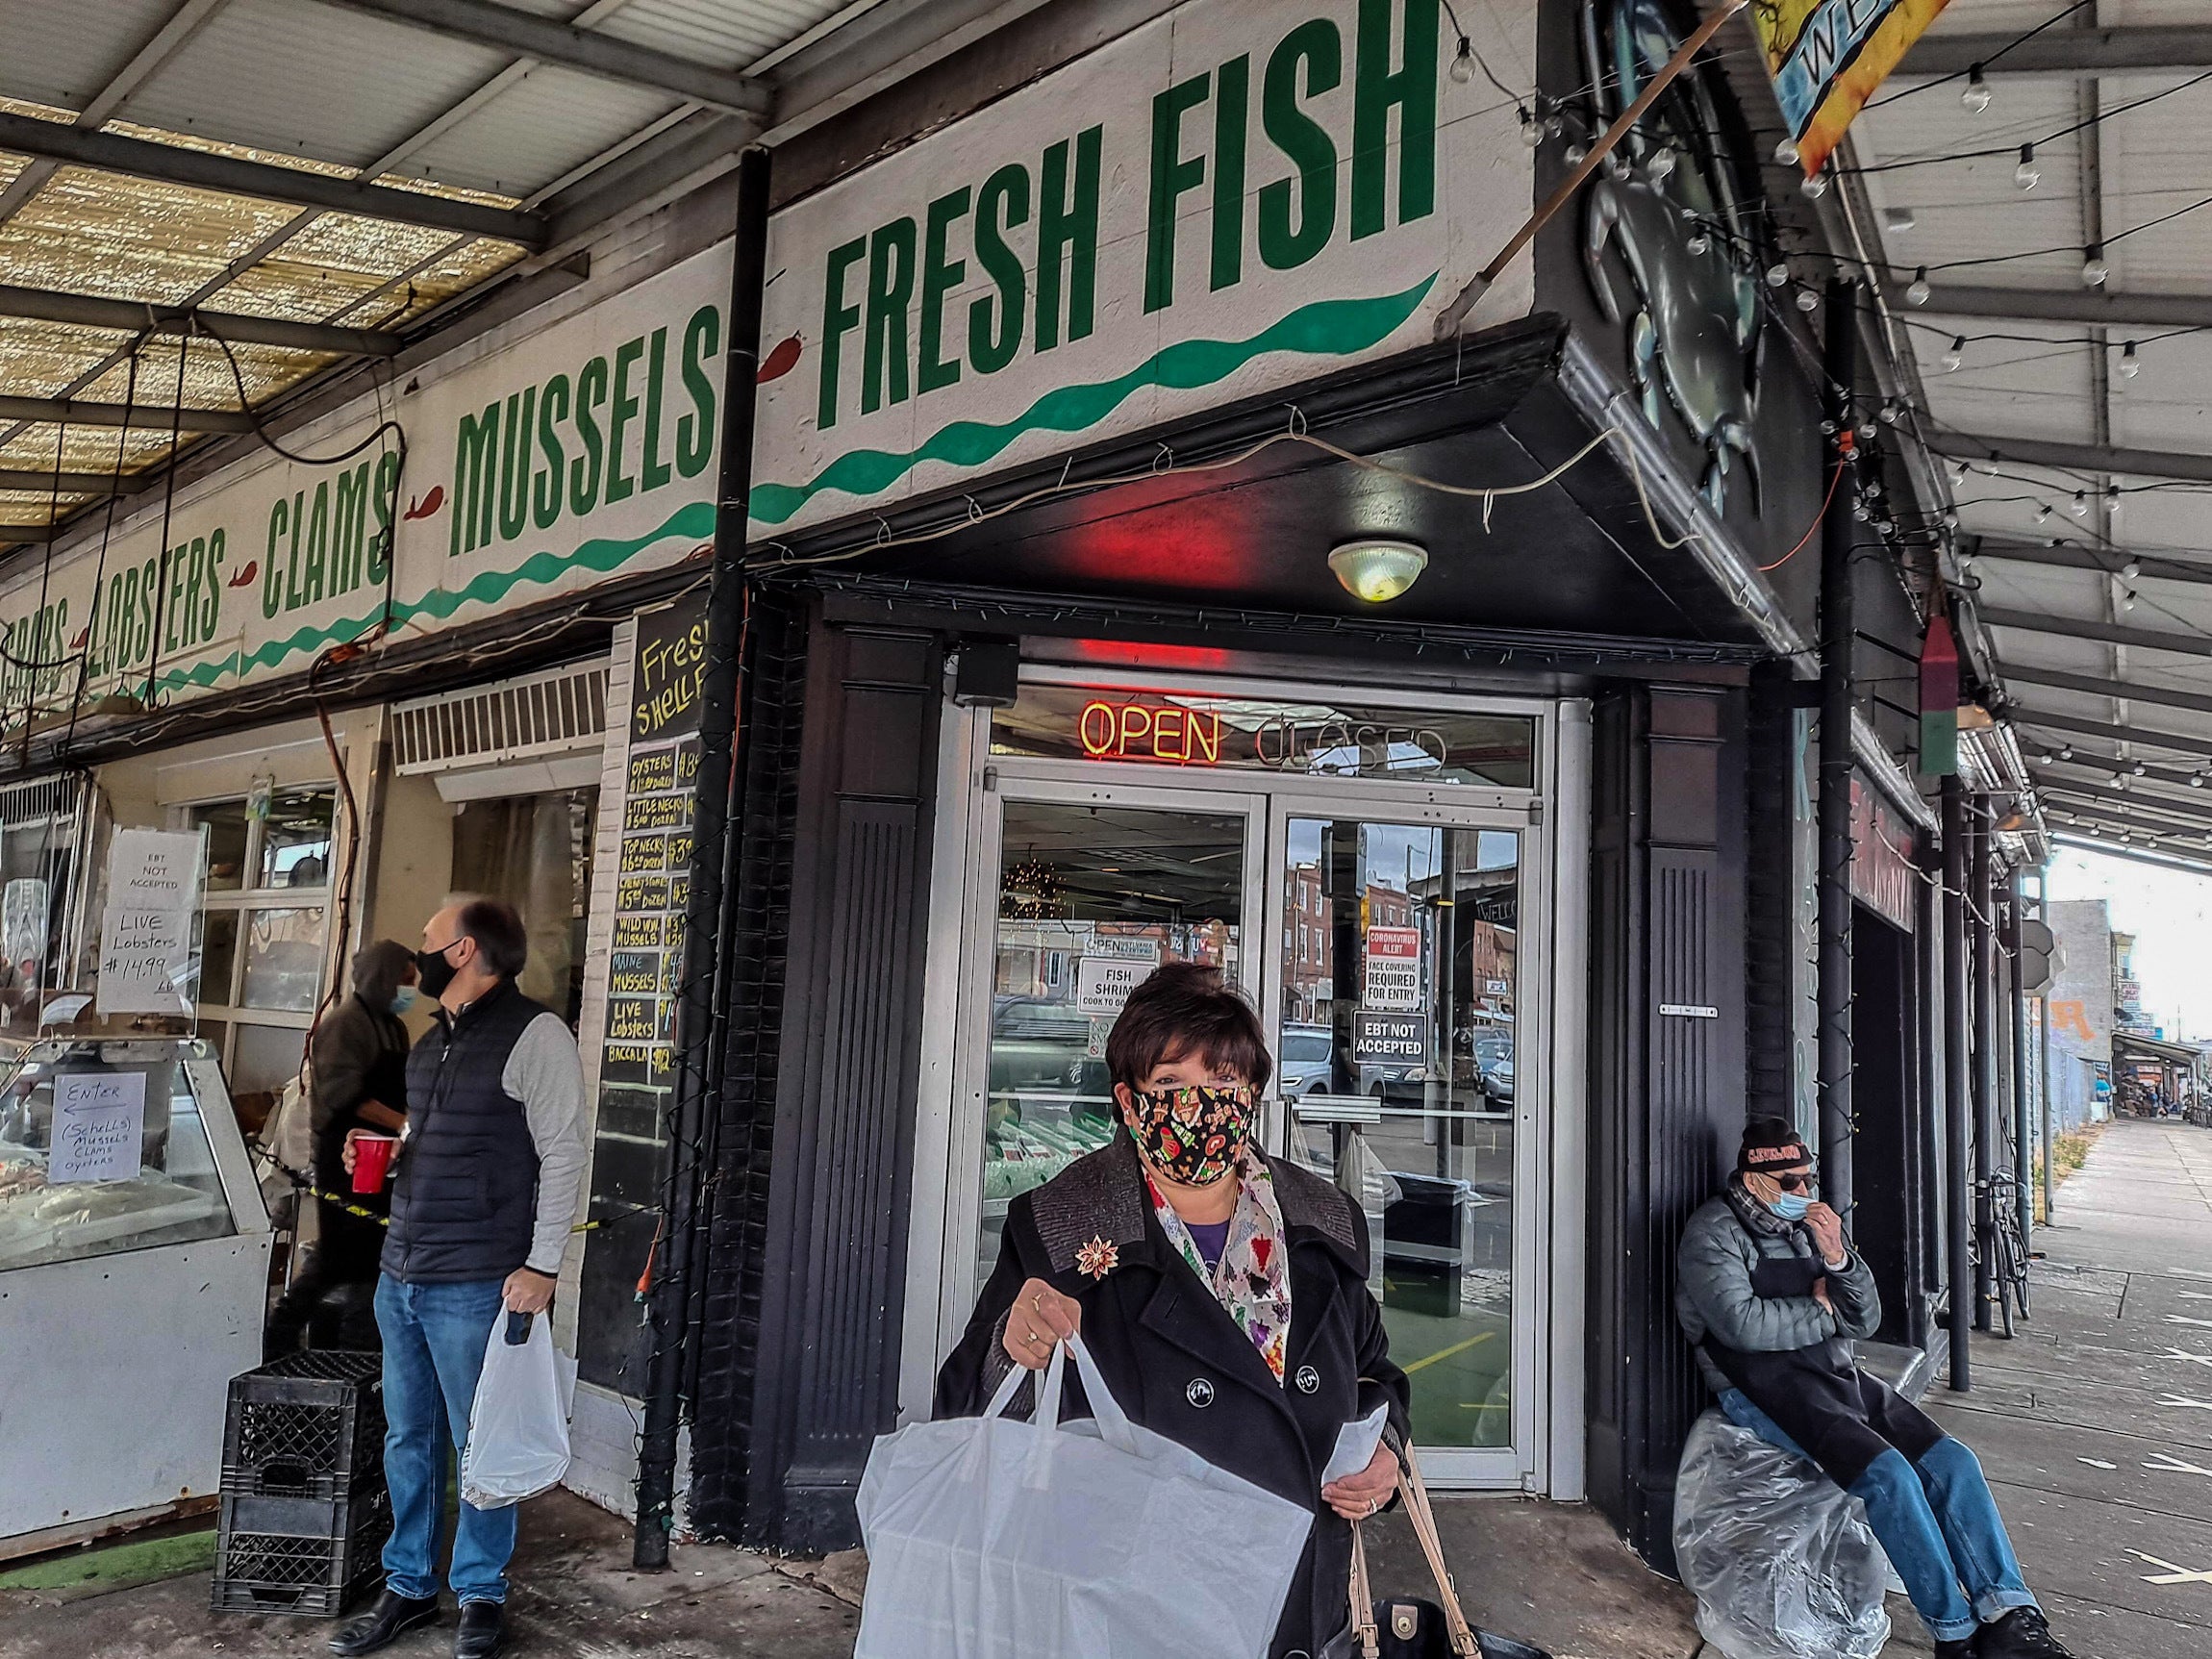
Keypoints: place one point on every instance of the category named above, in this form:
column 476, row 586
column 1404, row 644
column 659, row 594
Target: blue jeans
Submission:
column 434, row 1342
column 1937, row 1523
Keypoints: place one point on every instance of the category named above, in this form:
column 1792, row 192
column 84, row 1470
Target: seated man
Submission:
column 1772, row 1296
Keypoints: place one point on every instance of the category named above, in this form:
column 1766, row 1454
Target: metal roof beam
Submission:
column 2195, row 865
column 2073, row 457
column 2082, row 304
column 71, row 483
column 2174, row 741
column 2068, row 52
column 204, row 170
column 2087, row 628
column 2186, row 835
column 2096, row 687
column 75, row 411
column 2076, row 556
column 91, row 311
column 2134, row 808
column 587, row 50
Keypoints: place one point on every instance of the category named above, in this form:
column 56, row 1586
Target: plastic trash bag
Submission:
column 1779, row 1557
column 990, row 1538
column 518, row 1422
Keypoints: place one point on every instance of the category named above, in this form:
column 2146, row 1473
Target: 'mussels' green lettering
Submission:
column 475, row 458
column 695, row 431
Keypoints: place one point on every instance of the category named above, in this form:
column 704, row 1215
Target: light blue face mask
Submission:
column 404, row 998
column 1791, row 1206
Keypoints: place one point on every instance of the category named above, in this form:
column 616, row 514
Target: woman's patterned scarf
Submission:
column 1253, row 1281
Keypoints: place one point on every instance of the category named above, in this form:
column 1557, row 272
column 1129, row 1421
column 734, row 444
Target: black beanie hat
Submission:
column 1772, row 1144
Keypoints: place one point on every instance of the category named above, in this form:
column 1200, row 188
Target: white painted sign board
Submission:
column 1103, row 982
column 99, row 1125
column 146, row 930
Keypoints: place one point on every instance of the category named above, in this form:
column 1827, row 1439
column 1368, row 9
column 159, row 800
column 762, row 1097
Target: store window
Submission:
column 262, row 935
column 535, row 852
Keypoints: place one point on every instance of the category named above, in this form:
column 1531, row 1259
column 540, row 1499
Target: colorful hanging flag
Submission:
column 1826, row 57
column 1939, row 700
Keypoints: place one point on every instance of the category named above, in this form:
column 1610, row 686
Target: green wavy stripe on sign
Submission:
column 1325, row 328
column 694, row 521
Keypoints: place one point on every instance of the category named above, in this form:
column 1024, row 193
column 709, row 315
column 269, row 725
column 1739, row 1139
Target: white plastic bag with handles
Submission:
column 518, row 1424
column 990, row 1538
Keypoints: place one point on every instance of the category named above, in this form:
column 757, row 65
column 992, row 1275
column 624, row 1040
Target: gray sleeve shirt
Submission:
column 545, row 1072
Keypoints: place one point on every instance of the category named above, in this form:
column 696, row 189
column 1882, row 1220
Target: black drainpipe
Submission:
column 703, row 1007
column 1954, row 1078
column 2022, row 1143
column 1838, row 685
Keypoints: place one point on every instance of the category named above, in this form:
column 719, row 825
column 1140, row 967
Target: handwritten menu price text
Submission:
column 99, row 1125
column 146, row 930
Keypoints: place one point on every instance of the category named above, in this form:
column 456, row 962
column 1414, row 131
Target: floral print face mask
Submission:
column 1194, row 1134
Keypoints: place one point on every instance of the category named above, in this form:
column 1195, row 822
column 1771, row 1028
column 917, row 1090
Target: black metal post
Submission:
column 703, row 992
column 1954, row 1073
column 2022, row 1135
column 1838, row 683
column 1980, row 937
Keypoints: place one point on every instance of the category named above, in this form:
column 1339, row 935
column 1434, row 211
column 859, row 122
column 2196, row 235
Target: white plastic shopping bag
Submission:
column 990, row 1538
column 518, row 1424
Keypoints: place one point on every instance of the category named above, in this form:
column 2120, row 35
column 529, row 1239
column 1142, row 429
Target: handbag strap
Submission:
column 1417, row 1508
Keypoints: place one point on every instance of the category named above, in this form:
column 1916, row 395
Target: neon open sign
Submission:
column 1149, row 732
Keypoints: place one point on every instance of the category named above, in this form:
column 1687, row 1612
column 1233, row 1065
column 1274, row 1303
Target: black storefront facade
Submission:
column 1515, row 864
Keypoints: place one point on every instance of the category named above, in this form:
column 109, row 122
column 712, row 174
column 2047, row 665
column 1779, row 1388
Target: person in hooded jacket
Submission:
column 356, row 1076
column 1223, row 1293
column 1772, row 1297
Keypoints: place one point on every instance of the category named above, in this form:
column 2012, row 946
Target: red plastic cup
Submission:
column 372, row 1161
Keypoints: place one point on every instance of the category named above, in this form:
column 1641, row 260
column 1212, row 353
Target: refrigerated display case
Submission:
column 134, row 1273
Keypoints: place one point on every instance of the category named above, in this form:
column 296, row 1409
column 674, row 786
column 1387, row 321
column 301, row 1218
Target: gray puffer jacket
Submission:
column 1712, row 1293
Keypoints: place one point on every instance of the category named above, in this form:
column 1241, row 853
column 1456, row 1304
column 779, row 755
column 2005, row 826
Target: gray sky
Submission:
column 2170, row 913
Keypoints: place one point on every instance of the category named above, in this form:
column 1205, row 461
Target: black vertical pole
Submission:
column 2023, row 1139
column 1838, row 685
column 1955, row 1090
column 703, row 992
column 1980, row 889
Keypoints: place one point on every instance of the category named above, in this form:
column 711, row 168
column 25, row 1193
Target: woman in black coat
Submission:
column 1223, row 1293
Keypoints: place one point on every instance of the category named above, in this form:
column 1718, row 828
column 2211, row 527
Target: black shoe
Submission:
column 393, row 1617
column 482, row 1630
column 1962, row 1648
column 2020, row 1634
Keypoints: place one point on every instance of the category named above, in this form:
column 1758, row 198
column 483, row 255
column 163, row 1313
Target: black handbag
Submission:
column 1407, row 1627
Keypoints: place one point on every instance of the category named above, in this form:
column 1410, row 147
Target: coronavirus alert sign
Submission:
column 1393, row 969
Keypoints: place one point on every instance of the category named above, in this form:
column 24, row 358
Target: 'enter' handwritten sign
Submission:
column 99, row 1124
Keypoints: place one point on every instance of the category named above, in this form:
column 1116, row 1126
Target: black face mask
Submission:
column 435, row 970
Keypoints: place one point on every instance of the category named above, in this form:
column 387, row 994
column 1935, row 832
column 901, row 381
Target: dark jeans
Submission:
column 434, row 1342
column 1937, row 1523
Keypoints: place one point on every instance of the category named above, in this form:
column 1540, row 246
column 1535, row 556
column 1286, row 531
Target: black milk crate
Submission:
column 306, row 1555
column 310, row 1424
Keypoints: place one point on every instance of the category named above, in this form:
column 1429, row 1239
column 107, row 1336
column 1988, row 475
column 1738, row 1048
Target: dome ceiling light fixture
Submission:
column 1377, row 569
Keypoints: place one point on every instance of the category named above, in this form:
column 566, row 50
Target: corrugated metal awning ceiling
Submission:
column 347, row 91
column 2091, row 566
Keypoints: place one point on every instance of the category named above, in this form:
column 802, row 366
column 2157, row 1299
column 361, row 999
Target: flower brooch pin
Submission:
column 1098, row 1258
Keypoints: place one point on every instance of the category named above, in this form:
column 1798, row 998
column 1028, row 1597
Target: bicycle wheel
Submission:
column 2009, row 1270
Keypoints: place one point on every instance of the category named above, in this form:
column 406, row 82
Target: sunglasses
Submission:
column 1797, row 1181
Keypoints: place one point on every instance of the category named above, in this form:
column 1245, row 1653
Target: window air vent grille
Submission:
column 547, row 714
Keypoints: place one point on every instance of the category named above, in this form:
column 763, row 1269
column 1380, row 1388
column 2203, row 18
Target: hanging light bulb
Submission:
column 1531, row 129
column 1463, row 64
column 2197, row 780
column 1787, row 152
column 2066, row 752
column 2130, row 366
column 1659, row 164
column 1918, row 292
column 1808, row 300
column 2027, row 175
column 1958, row 471
column 2130, row 570
column 2140, row 769
column 1976, row 97
column 1949, row 520
column 2112, row 500
column 1778, row 274
column 1699, row 242
column 1816, row 185
column 2093, row 269
column 2079, row 506
column 2043, row 512
column 1574, row 154
column 2127, row 600
column 1952, row 358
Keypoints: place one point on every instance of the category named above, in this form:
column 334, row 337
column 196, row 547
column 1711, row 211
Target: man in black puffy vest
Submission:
column 488, row 1181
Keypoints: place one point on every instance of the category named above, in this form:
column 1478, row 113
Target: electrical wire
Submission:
column 1960, row 74
column 2007, row 149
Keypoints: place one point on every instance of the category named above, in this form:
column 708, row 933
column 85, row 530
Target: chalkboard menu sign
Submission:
column 645, row 966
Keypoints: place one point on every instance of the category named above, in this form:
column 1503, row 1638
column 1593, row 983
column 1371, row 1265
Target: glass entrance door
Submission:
column 1090, row 890
column 1399, row 1037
